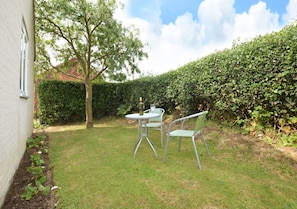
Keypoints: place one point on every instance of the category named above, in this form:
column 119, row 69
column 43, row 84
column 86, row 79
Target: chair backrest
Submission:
column 160, row 111
column 200, row 121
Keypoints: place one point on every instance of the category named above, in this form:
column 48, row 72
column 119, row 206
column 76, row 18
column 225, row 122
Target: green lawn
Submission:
column 95, row 169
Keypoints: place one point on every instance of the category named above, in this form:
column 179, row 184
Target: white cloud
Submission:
column 217, row 16
column 258, row 20
column 177, row 44
column 218, row 25
column 169, row 46
column 291, row 11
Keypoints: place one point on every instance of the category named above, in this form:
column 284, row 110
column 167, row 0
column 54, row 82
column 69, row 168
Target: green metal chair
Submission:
column 156, row 123
column 181, row 132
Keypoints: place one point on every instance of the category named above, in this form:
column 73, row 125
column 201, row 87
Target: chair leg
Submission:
column 204, row 142
column 165, row 150
column 161, row 135
column 163, row 127
column 196, row 153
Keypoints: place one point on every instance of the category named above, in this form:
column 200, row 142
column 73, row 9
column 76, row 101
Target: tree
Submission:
column 87, row 31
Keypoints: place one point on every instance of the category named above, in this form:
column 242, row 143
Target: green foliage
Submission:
column 253, row 83
column 87, row 31
column 35, row 141
column 123, row 109
column 60, row 102
column 289, row 140
column 36, row 159
column 261, row 118
column 36, row 144
column 29, row 192
column 105, row 99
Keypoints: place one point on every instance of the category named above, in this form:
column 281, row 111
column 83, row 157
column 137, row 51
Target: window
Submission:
column 24, row 62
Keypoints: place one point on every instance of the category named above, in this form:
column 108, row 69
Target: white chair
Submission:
column 156, row 123
column 181, row 132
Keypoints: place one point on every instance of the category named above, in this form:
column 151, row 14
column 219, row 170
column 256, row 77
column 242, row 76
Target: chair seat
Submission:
column 153, row 125
column 181, row 133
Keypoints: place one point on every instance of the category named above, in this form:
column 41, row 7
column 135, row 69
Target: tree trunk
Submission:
column 89, row 103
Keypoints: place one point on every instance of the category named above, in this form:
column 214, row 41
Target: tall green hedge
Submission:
column 61, row 102
column 252, row 81
column 256, row 79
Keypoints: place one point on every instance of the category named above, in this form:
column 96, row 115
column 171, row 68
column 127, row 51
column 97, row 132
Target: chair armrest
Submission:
column 182, row 121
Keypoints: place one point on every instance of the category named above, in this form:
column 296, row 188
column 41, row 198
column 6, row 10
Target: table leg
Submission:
column 143, row 133
column 137, row 145
column 152, row 146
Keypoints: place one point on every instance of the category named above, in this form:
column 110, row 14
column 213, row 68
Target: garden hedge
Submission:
column 254, row 81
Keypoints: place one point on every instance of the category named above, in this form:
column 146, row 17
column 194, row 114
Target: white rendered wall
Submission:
column 16, row 113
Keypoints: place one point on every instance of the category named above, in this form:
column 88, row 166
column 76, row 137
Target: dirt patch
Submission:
column 22, row 178
column 290, row 151
column 260, row 147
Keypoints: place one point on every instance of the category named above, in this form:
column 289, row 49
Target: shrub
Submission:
column 252, row 81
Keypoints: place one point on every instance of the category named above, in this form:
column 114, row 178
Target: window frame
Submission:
column 24, row 61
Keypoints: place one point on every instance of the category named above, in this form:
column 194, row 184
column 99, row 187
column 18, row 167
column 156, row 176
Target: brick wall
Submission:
column 16, row 113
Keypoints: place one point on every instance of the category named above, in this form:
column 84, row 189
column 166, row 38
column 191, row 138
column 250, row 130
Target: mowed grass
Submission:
column 95, row 168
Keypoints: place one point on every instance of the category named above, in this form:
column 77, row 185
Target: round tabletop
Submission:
column 136, row 116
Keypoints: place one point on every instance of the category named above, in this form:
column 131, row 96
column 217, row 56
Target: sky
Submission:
column 176, row 32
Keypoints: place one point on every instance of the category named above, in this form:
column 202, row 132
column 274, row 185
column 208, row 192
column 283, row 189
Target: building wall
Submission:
column 16, row 112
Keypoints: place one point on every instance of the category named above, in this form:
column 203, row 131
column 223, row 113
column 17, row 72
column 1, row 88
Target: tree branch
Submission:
column 99, row 73
column 69, row 41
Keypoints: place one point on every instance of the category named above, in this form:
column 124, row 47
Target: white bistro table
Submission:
column 142, row 130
